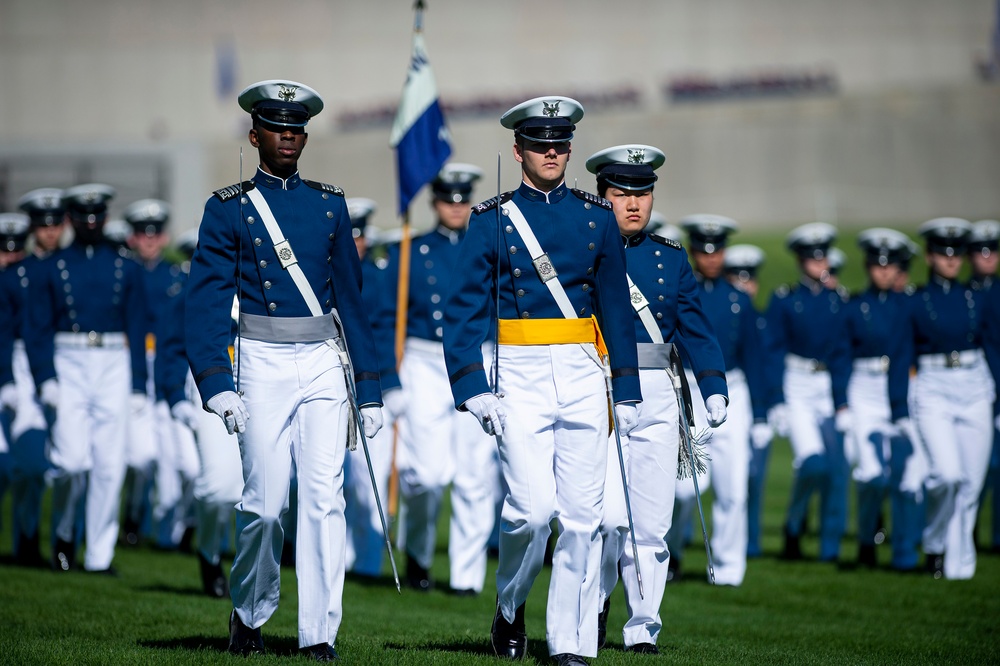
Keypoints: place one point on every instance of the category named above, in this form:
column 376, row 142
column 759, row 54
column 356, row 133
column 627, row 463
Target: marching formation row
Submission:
column 573, row 366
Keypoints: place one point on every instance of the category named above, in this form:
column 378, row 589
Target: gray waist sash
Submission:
column 652, row 355
column 288, row 329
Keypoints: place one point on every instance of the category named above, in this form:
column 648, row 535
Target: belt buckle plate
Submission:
column 543, row 266
column 818, row 366
column 953, row 360
column 95, row 339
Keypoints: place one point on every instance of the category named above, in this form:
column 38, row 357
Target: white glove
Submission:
column 778, row 418
column 627, row 416
column 184, row 412
column 395, row 403
column 760, row 435
column 371, row 420
column 487, row 408
column 230, row 408
column 138, row 402
column 8, row 396
column 48, row 393
column 908, row 430
column 715, row 405
column 843, row 420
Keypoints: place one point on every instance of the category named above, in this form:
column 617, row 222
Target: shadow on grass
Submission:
column 482, row 648
column 372, row 581
column 273, row 645
column 182, row 590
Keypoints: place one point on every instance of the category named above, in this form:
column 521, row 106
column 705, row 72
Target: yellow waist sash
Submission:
column 552, row 332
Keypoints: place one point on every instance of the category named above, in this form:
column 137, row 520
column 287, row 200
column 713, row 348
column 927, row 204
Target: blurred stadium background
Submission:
column 772, row 112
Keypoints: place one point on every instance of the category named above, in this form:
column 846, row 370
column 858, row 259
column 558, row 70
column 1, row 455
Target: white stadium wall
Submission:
column 901, row 127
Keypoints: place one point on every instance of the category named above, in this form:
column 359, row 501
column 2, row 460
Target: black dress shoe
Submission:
column 110, row 571
column 213, row 580
column 130, row 532
column 28, row 552
column 464, row 592
column 63, row 556
column 866, row 556
column 243, row 640
column 321, row 652
column 602, row 624
column 674, row 570
column 567, row 659
column 934, row 564
column 417, row 577
column 643, row 648
column 793, row 549
column 509, row 639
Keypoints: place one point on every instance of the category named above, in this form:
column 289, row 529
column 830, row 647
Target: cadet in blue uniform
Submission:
column 283, row 246
column 952, row 399
column 173, row 451
column 556, row 259
column 741, row 266
column 984, row 257
column 84, row 336
column 219, row 483
column 666, row 312
column 28, row 428
column 734, row 321
column 806, row 326
column 884, row 458
column 439, row 446
column 365, row 541
column 19, row 454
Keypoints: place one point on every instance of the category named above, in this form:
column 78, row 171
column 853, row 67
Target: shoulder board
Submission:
column 323, row 187
column 663, row 240
column 227, row 193
column 782, row 291
column 490, row 204
column 591, row 198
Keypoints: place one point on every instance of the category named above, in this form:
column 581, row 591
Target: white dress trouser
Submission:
column 728, row 448
column 297, row 399
column 650, row 453
column 439, row 445
column 809, row 398
column 953, row 413
column 365, row 541
column 88, row 445
column 867, row 446
column 219, row 484
column 143, row 446
column 553, row 454
column 176, row 470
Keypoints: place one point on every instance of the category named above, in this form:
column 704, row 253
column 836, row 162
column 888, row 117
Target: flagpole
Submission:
column 402, row 304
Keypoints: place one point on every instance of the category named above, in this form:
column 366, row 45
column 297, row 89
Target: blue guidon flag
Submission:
column 419, row 133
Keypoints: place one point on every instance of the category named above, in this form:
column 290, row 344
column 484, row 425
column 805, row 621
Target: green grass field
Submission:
column 785, row 613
